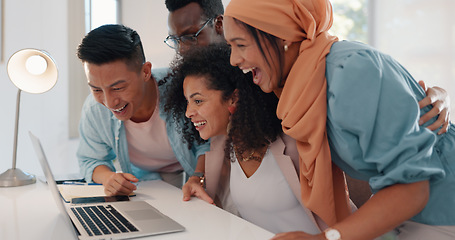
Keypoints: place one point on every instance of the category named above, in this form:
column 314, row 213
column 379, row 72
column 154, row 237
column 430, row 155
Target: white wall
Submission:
column 40, row 24
column 150, row 21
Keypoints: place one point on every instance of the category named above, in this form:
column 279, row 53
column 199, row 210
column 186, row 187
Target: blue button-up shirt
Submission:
column 374, row 135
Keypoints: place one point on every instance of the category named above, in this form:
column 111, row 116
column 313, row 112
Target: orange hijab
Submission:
column 303, row 99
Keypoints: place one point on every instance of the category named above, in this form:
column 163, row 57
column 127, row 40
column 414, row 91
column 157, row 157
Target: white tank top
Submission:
column 266, row 199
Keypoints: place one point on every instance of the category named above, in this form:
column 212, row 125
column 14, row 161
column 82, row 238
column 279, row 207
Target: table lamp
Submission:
column 32, row 71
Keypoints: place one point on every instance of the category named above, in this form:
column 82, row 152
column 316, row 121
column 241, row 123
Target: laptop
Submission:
column 113, row 220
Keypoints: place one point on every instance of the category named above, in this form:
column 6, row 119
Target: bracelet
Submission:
column 201, row 177
column 198, row 174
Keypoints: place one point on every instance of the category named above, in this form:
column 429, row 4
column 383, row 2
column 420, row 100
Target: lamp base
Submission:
column 15, row 177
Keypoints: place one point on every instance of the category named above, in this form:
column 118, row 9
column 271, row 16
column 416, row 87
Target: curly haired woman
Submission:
column 252, row 167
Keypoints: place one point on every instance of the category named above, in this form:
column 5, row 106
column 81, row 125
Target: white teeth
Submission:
column 119, row 109
column 198, row 124
column 245, row 71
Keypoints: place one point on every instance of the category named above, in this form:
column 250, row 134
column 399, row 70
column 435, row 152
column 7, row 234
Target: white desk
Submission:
column 29, row 212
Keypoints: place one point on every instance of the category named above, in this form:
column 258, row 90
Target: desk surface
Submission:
column 29, row 212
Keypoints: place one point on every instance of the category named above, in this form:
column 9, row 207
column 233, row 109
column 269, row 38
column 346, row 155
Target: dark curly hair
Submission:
column 254, row 123
column 210, row 8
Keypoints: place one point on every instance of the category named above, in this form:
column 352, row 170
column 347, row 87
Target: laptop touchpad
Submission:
column 143, row 214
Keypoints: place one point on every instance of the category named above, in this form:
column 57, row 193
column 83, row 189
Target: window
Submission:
column 100, row 12
column 96, row 13
column 350, row 20
column 419, row 34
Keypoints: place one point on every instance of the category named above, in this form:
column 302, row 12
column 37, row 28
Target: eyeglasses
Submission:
column 190, row 39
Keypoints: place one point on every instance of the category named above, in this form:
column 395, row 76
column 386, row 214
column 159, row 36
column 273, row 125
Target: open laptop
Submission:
column 118, row 220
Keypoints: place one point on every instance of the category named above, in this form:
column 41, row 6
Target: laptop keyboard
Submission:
column 102, row 220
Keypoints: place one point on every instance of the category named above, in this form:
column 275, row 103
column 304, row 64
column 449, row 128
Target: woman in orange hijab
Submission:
column 350, row 107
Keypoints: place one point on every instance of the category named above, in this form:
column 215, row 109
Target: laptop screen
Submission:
column 51, row 183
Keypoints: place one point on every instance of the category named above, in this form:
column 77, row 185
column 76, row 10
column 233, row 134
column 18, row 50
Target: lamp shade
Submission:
column 32, row 70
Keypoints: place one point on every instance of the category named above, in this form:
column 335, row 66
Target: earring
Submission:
column 286, row 48
column 232, row 109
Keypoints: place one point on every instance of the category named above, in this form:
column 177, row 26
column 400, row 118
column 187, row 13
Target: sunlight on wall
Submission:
column 103, row 12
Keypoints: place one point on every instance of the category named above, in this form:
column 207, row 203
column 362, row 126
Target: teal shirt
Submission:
column 374, row 135
column 103, row 139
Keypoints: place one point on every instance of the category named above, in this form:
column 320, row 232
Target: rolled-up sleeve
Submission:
column 93, row 150
column 373, row 121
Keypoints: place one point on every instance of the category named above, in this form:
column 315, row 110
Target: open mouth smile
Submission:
column 118, row 110
column 254, row 71
column 247, row 70
column 199, row 124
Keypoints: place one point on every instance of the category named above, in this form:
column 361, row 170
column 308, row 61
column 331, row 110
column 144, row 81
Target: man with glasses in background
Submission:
column 185, row 40
column 194, row 22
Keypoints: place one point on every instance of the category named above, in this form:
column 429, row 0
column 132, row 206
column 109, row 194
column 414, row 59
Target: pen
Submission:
column 72, row 183
column 78, row 183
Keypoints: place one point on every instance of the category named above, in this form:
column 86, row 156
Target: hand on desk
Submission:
column 120, row 184
column 193, row 188
column 114, row 183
